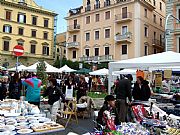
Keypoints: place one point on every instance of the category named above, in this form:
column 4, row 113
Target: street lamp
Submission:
column 167, row 17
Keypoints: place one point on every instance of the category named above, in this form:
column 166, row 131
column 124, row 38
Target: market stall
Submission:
column 66, row 69
column 19, row 68
column 20, row 117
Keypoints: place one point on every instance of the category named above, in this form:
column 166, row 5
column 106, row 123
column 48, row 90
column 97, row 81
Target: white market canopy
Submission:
column 20, row 68
column 155, row 60
column 103, row 71
column 49, row 68
column 125, row 71
column 173, row 68
column 66, row 69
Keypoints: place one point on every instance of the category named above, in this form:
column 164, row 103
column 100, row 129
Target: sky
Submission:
column 61, row 7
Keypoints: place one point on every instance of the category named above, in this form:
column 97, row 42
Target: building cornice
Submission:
column 27, row 7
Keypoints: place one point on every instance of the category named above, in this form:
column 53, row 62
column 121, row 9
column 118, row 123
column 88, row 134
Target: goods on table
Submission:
column 173, row 131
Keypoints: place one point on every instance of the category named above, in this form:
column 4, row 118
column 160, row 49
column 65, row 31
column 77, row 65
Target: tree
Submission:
column 41, row 68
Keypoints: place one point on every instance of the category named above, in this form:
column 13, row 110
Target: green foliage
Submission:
column 42, row 75
column 102, row 65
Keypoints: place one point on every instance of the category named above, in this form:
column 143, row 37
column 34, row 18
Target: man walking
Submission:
column 123, row 91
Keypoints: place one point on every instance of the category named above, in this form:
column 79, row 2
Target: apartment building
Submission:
column 60, row 45
column 23, row 22
column 109, row 30
column 173, row 26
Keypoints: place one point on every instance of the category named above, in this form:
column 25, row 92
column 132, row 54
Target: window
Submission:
column 96, row 51
column 160, row 6
column 33, row 33
column 20, row 43
column 124, row 30
column 124, row 12
column 45, row 36
column 6, row 45
column 74, row 55
column 88, row 20
column 106, row 50
column 154, row 2
column 74, row 38
column 124, row 49
column 57, row 49
column 160, row 21
column 160, row 39
column 45, row 50
column 107, row 15
column 46, row 23
column 87, row 36
column 145, row 31
column 21, row 18
column 21, row 31
column 145, row 12
column 145, row 50
column 7, row 29
column 107, row 33
column 97, row 17
column 87, row 52
column 155, row 51
column 34, row 20
column 154, row 35
column 33, row 49
column 179, row 45
column 96, row 35
column 8, row 15
column 154, row 18
column 179, row 13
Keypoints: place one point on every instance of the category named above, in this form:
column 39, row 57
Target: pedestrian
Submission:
column 15, row 86
column 53, row 92
column 70, row 84
column 122, row 92
column 33, row 90
column 81, row 88
column 3, row 89
column 141, row 90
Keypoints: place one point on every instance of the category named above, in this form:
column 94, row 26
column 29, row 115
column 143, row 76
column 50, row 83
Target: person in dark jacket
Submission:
column 3, row 89
column 141, row 90
column 53, row 92
column 82, row 88
column 15, row 87
column 109, row 105
column 122, row 92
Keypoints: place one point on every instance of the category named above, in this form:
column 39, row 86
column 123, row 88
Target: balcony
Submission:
column 107, row 3
column 103, row 58
column 158, row 43
column 73, row 45
column 127, row 37
column 119, row 18
column 88, row 8
column 97, row 6
column 74, row 28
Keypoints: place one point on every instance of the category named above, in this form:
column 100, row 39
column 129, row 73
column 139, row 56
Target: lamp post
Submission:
column 167, row 17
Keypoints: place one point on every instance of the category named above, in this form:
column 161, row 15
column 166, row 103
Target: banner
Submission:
column 167, row 74
column 158, row 79
column 140, row 73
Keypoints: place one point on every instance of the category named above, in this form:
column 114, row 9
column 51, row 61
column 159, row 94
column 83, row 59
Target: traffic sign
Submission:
column 18, row 50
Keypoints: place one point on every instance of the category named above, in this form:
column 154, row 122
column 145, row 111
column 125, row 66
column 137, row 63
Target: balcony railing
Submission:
column 73, row 45
column 102, row 58
column 159, row 43
column 97, row 6
column 177, row 26
column 127, row 37
column 107, row 3
column 74, row 27
column 88, row 8
column 123, row 17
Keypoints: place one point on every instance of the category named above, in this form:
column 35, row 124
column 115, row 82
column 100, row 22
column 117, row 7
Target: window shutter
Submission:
column 4, row 28
column 10, row 29
column 24, row 18
column 18, row 18
column 47, row 50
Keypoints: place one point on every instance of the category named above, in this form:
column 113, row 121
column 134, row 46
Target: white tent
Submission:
column 20, row 68
column 49, row 68
column 155, row 60
column 103, row 71
column 126, row 71
column 65, row 68
column 173, row 68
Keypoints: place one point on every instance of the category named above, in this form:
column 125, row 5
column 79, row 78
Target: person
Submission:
column 109, row 105
column 3, row 89
column 141, row 90
column 33, row 90
column 15, row 86
column 53, row 92
column 122, row 92
column 70, row 83
column 81, row 88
